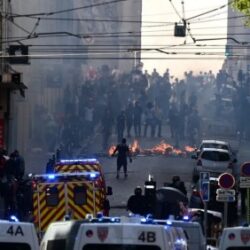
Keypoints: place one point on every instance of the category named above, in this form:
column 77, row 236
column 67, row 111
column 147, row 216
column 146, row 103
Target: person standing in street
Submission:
column 123, row 152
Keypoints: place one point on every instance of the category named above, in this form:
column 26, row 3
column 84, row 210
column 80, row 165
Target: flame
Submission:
column 111, row 150
column 189, row 149
column 135, row 147
column 162, row 148
column 178, row 151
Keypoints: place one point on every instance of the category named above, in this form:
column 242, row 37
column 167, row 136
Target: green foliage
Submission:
column 244, row 7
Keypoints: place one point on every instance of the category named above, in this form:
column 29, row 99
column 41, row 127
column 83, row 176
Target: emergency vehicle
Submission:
column 75, row 189
column 18, row 235
column 116, row 233
column 235, row 238
column 192, row 230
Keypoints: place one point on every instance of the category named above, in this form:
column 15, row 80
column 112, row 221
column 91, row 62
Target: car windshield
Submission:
column 215, row 156
column 214, row 145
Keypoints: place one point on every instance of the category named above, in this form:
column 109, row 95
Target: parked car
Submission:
column 213, row 160
column 216, row 144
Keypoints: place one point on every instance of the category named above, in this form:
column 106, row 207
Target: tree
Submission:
column 244, row 7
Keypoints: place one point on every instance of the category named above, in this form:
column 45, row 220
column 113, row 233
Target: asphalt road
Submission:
column 162, row 168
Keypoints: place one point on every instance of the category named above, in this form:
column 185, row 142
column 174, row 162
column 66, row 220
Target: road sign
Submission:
column 225, row 192
column 245, row 169
column 204, row 176
column 205, row 186
column 244, row 182
column 226, row 181
column 225, row 198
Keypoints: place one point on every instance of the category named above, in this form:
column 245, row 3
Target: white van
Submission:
column 235, row 238
column 18, row 235
column 192, row 230
column 110, row 233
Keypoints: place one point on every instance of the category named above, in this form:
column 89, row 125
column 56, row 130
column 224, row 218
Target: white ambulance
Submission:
column 235, row 238
column 192, row 230
column 18, row 235
column 112, row 234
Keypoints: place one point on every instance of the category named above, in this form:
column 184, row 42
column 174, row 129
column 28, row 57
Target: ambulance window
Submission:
column 52, row 196
column 119, row 247
column 238, row 248
column 56, row 244
column 14, row 246
column 80, row 196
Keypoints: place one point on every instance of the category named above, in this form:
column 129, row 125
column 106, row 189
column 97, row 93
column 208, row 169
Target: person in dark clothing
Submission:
column 123, row 153
column 129, row 118
column 120, row 125
column 107, row 121
column 137, row 202
column 137, row 118
column 178, row 184
column 20, row 165
column 9, row 186
column 50, row 166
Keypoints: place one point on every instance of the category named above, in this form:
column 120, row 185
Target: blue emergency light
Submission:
column 185, row 217
column 14, row 218
column 169, row 222
column 87, row 175
column 92, row 160
column 51, row 176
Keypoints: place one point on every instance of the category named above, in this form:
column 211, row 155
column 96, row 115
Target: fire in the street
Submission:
column 189, row 149
column 162, row 148
column 135, row 147
column 111, row 150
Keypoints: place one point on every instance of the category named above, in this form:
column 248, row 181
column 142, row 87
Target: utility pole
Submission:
column 5, row 88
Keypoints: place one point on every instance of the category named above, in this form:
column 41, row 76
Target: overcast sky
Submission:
column 160, row 35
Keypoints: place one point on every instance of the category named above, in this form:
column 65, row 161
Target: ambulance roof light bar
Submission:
column 90, row 160
column 88, row 175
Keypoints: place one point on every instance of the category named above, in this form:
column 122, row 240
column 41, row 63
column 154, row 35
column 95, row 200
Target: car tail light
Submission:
column 199, row 163
column 196, row 193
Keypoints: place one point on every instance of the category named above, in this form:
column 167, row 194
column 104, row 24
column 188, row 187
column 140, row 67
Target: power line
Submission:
column 67, row 10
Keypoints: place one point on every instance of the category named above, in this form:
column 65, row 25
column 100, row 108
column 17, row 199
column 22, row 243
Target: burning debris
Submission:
column 162, row 148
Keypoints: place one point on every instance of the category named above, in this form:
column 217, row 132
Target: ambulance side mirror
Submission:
column 109, row 190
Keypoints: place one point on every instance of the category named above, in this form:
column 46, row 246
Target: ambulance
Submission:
column 235, row 238
column 18, row 235
column 117, row 233
column 76, row 188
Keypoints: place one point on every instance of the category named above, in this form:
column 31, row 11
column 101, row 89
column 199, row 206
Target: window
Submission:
column 52, row 196
column 238, row 248
column 14, row 246
column 56, row 244
column 119, row 247
column 215, row 156
column 80, row 196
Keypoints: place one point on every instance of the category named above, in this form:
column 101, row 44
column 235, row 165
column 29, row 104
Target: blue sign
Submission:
column 205, row 186
column 205, row 191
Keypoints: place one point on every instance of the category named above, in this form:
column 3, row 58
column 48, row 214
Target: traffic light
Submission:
column 180, row 30
column 228, row 50
column 19, row 54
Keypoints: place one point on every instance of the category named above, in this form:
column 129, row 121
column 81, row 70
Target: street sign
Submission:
column 245, row 169
column 225, row 198
column 244, row 182
column 205, row 186
column 225, row 192
column 226, row 181
column 204, row 176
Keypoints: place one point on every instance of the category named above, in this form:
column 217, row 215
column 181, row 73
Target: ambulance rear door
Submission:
column 83, row 198
column 49, row 203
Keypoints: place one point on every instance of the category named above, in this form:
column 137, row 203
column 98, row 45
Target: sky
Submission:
column 160, row 35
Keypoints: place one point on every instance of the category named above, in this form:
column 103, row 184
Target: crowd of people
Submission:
column 139, row 104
